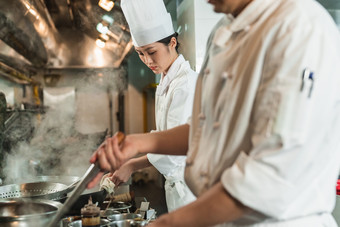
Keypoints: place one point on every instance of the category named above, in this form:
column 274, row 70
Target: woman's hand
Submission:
column 111, row 155
column 122, row 174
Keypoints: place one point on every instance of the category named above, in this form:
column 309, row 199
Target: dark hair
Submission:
column 167, row 40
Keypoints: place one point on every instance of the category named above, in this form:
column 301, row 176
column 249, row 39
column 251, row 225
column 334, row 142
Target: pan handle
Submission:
column 120, row 136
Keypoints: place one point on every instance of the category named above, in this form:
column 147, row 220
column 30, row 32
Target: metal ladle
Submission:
column 88, row 176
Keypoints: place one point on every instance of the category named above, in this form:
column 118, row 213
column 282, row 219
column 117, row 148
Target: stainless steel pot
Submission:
column 118, row 217
column 118, row 206
column 127, row 223
column 27, row 213
column 66, row 221
column 108, row 212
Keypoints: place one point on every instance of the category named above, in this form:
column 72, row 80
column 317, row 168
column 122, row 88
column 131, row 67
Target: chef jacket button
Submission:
column 206, row 185
column 217, row 125
column 203, row 174
column 188, row 162
column 201, row 116
column 225, row 75
column 246, row 28
column 206, row 71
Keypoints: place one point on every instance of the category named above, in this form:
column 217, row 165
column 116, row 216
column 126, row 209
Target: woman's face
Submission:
column 158, row 56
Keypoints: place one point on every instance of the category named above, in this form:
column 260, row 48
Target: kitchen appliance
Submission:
column 25, row 213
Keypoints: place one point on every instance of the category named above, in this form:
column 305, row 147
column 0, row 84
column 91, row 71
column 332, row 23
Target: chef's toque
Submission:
column 148, row 20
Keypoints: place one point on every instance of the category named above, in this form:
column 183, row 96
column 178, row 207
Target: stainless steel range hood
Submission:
column 61, row 33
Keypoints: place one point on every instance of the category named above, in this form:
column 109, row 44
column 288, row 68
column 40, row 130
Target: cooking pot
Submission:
column 26, row 213
column 66, row 221
column 127, row 223
column 118, row 217
column 118, row 206
column 108, row 212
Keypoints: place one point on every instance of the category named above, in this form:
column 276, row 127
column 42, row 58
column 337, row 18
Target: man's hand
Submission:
column 112, row 154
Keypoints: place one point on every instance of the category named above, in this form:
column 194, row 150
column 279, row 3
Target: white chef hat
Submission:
column 148, row 20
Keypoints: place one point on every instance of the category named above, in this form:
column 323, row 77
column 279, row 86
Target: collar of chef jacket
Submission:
column 172, row 73
column 242, row 22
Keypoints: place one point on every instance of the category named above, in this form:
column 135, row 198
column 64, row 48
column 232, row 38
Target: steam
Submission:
column 55, row 148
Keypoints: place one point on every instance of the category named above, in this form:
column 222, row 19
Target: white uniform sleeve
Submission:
column 293, row 136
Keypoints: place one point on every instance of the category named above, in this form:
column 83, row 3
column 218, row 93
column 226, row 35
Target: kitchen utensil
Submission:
column 118, row 205
column 118, row 217
column 36, row 190
column 97, row 195
column 67, row 180
column 88, row 176
column 23, row 213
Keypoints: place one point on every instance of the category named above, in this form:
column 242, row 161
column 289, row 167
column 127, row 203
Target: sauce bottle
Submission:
column 90, row 214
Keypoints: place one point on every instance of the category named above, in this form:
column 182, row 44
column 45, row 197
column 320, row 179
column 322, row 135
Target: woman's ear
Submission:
column 173, row 42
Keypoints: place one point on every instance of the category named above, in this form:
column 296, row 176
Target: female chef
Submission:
column 263, row 148
column 156, row 44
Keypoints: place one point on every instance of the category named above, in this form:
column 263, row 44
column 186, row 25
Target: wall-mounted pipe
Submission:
column 14, row 75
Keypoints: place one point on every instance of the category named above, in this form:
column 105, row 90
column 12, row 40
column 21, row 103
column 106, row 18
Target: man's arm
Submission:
column 214, row 207
column 111, row 155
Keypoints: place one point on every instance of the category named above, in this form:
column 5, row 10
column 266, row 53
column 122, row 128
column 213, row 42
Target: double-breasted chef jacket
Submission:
column 266, row 115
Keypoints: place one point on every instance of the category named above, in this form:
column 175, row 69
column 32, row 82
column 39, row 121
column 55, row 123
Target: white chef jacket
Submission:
column 174, row 101
column 271, row 138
